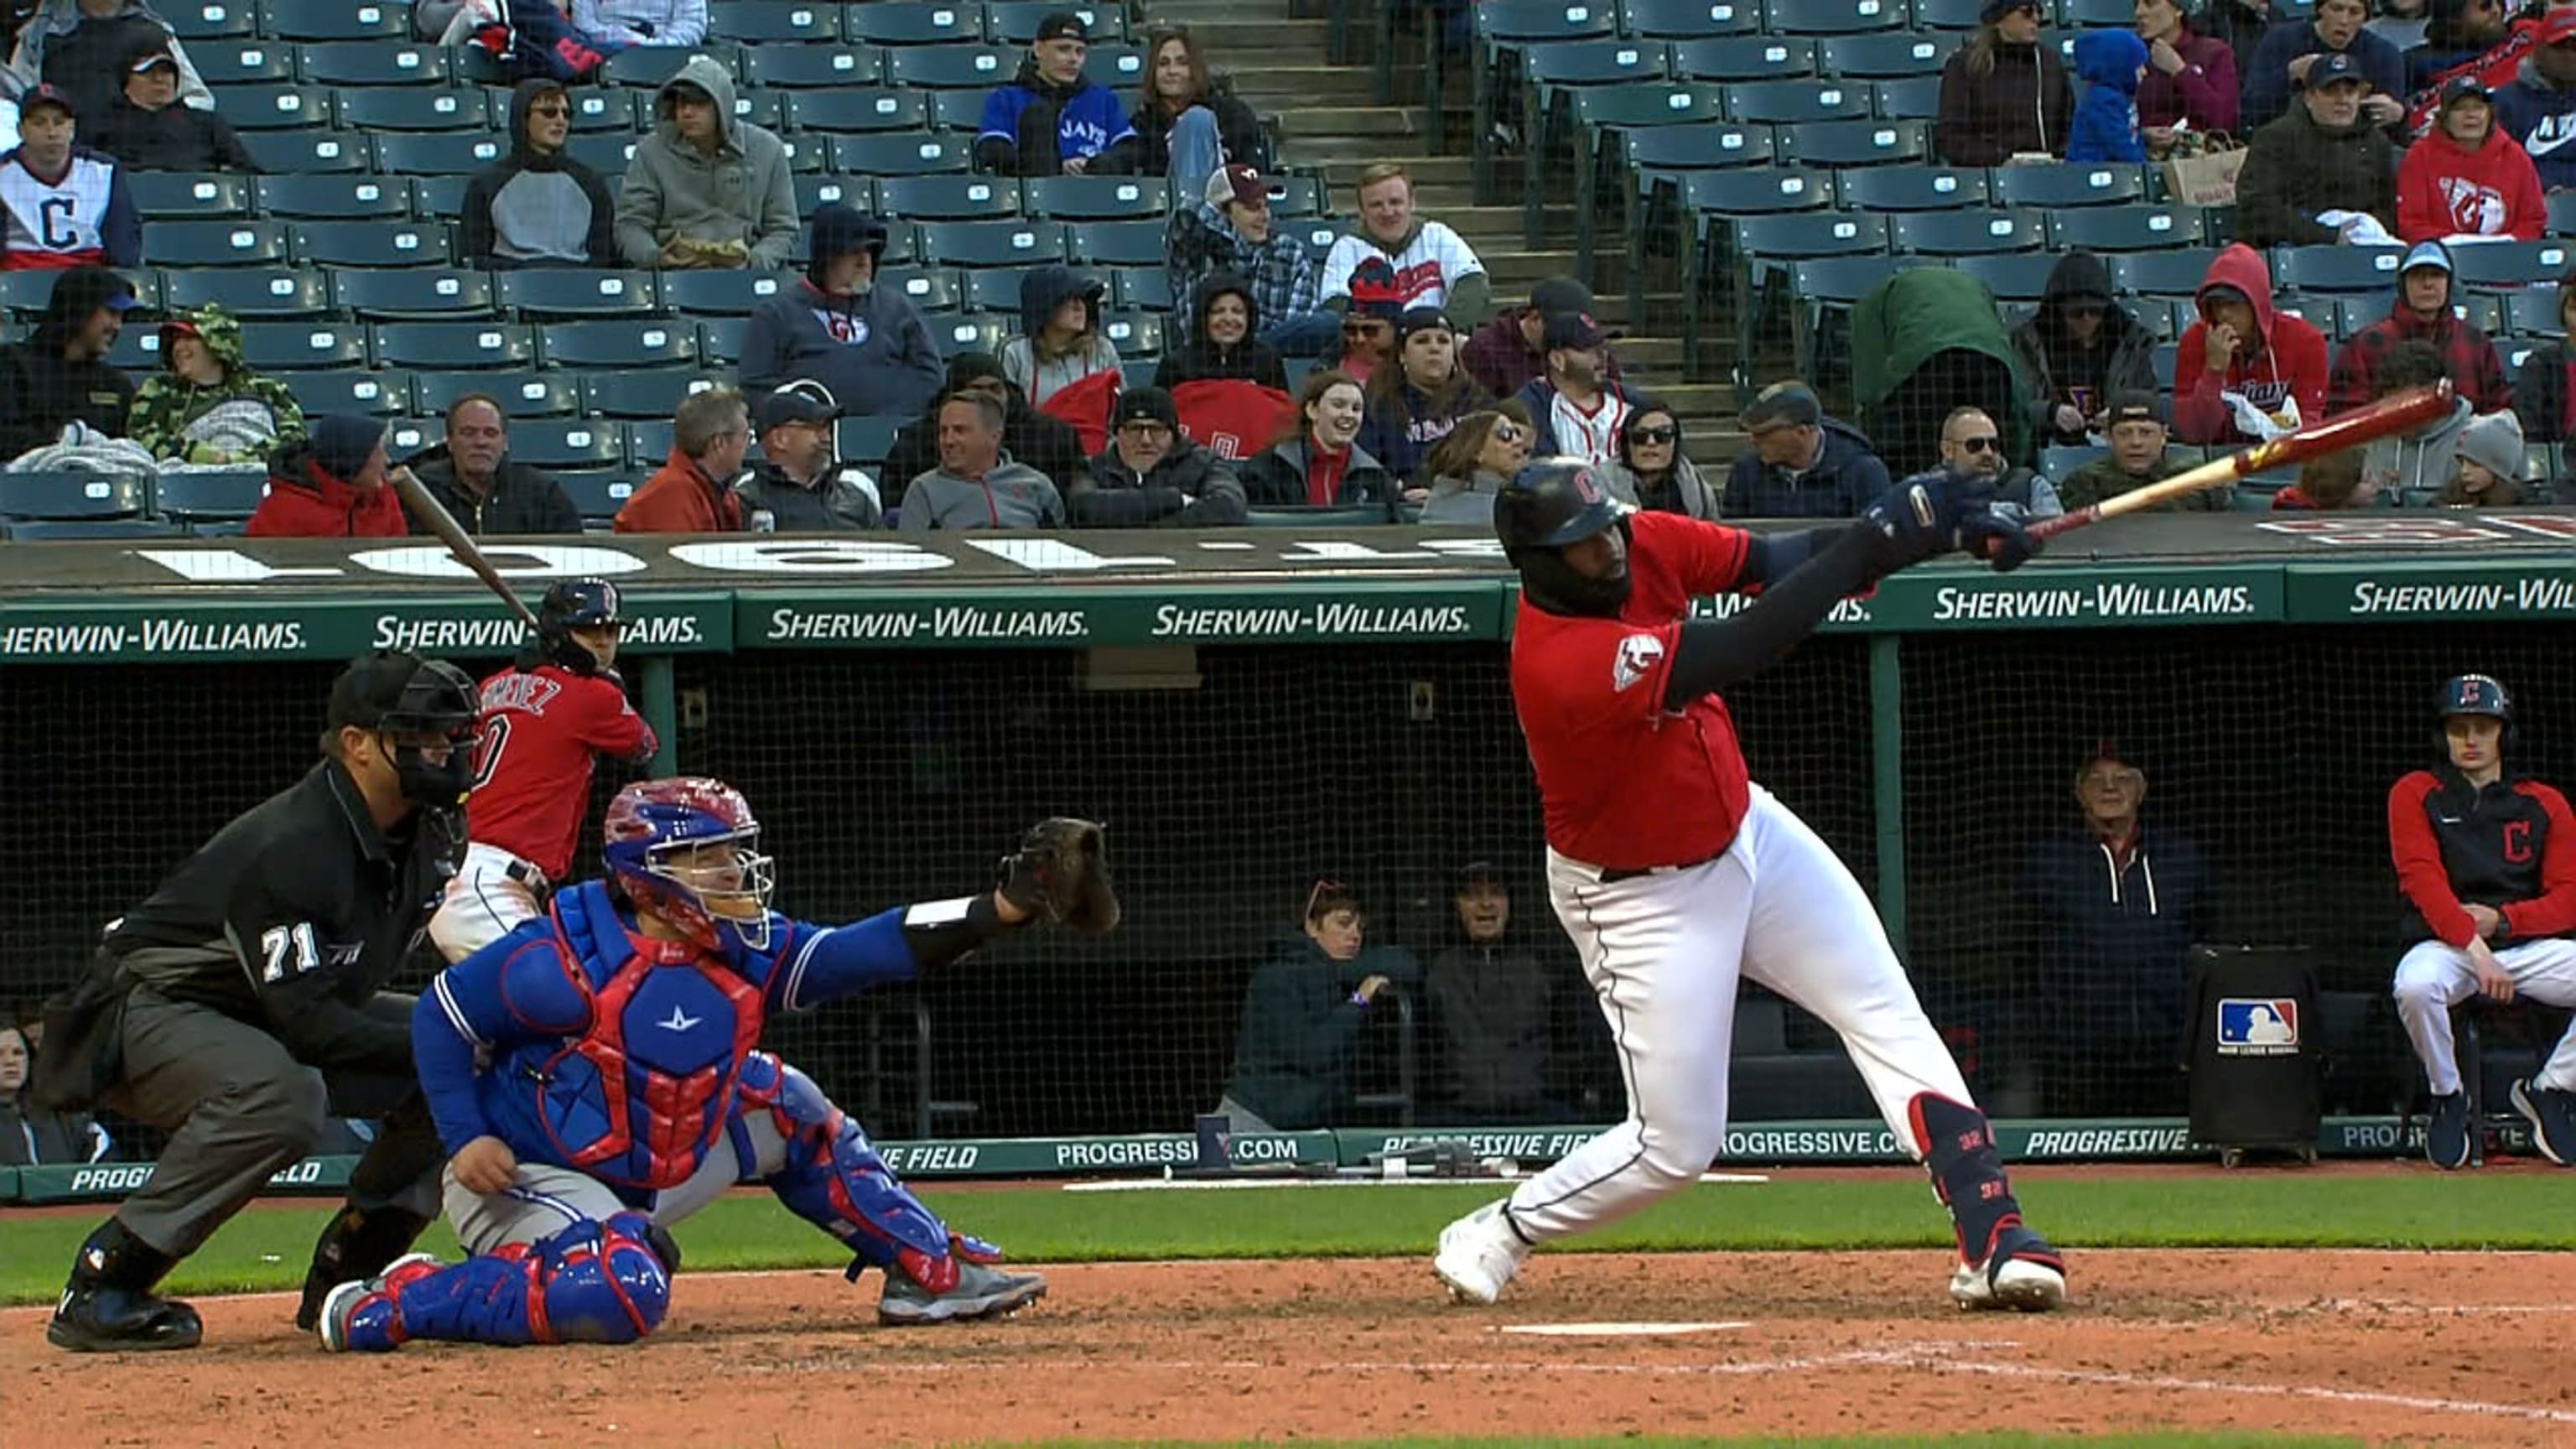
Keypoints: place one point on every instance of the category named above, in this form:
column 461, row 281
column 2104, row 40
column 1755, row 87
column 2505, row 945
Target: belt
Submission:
column 527, row 875
column 1613, row 877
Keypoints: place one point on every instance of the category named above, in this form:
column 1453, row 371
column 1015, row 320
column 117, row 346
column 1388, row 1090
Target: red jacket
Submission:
column 2444, row 191
column 2291, row 363
column 680, row 499
column 305, row 502
column 2471, row 359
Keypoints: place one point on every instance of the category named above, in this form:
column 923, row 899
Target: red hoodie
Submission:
column 2290, row 365
column 305, row 502
column 2445, row 191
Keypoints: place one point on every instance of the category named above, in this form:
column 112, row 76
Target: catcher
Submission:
column 594, row 1078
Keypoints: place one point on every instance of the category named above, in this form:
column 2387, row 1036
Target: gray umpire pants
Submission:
column 239, row 1107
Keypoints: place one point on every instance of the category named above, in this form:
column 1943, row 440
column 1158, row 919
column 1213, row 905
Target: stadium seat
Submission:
column 2098, row 14
column 1949, row 15
column 764, row 108
column 901, row 154
column 2509, row 265
column 1007, row 243
column 1120, row 68
column 222, row 64
column 949, row 198
column 215, row 496
column 1296, row 196
column 445, row 195
column 996, row 290
column 1117, row 243
column 1744, row 58
column 436, row 154
column 1655, row 150
column 334, row 19
column 413, row 294
column 1134, row 334
column 1690, row 19
column 273, row 107
column 25, row 293
column 860, row 110
column 784, row 23
column 606, row 152
column 951, row 67
column 248, row 292
column 1897, row 56
column 651, row 392
column 1796, row 102
column 453, row 346
column 2013, row 278
column 568, row 444
column 540, row 294
column 903, row 23
column 67, row 495
column 404, row 108
column 307, row 153
column 372, row 243
column 1753, row 193
column 201, row 20
column 956, row 110
column 865, row 440
column 1966, row 233
column 2161, row 273
column 215, row 243
column 2533, row 312
column 717, row 341
column 812, row 67
column 1819, row 289
column 1015, row 22
column 2334, row 268
column 596, row 109
column 1911, row 187
column 958, row 334
column 1097, row 198
column 726, row 293
column 1910, row 98
column 928, row 289
column 598, row 496
column 1831, row 17
column 1142, row 289
column 648, row 441
column 1806, row 236
column 372, row 63
column 1835, row 144
column 626, row 342
column 521, row 394
column 2109, row 229
column 188, row 196
column 2562, row 212
column 649, row 66
column 335, row 198
column 376, row 393
column 298, row 346
column 852, row 191
column 2069, row 185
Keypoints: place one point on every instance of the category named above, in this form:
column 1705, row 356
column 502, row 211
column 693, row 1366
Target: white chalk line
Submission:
column 2109, row 1379
column 1900, row 1355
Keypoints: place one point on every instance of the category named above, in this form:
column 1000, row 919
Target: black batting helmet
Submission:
column 1551, row 503
column 574, row 604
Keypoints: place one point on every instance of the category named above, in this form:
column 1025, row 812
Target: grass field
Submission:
column 269, row 1247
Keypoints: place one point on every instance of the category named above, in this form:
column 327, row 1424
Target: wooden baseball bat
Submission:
column 416, row 497
column 2395, row 413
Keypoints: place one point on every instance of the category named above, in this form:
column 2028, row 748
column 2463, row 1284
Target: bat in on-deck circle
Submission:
column 416, row 497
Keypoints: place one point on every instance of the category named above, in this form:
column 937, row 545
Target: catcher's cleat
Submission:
column 978, row 1292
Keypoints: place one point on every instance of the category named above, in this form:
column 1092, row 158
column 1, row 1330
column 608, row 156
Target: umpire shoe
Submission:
column 979, row 1292
column 2023, row 1272
column 2552, row 1114
column 108, row 1306
column 1480, row 1253
column 2446, row 1135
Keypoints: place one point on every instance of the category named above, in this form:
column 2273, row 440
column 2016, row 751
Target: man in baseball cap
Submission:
column 2421, row 311
column 1510, row 352
column 1052, row 120
column 59, row 374
column 2138, row 427
column 1578, row 412
column 796, row 480
column 2325, row 155
column 1231, row 231
column 1802, row 464
column 2465, row 180
column 148, row 129
column 66, row 205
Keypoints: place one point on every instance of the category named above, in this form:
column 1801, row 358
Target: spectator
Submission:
column 1415, row 403
column 1368, row 335
column 205, row 405
column 2327, row 485
column 1318, row 462
column 330, row 485
column 2413, row 467
column 693, row 491
column 2077, row 348
column 1488, row 1002
column 538, row 206
column 1060, row 342
column 1152, row 476
column 796, row 483
column 641, row 22
column 2239, row 24
column 1505, row 355
column 2004, row 96
column 2421, row 312
column 1471, row 465
column 147, row 129
column 2119, row 909
column 977, row 485
column 1229, row 231
column 2191, row 77
column 2324, row 157
column 1185, row 127
column 65, row 205
column 2483, row 854
column 1225, row 343
column 1971, row 445
column 76, row 45
column 1652, row 470
column 471, row 475
column 59, row 375
column 1578, row 414
column 29, row 1135
column 2400, row 22
column 2112, row 64
column 2544, row 390
column 2488, row 471
column 1048, row 444
column 2138, row 457
column 866, row 346
column 2466, row 181
column 1051, row 119
column 1412, row 262
column 1303, row 1013
column 1802, row 464
column 2244, row 369
column 2456, row 32
column 705, row 189
column 2538, row 108
column 2291, row 51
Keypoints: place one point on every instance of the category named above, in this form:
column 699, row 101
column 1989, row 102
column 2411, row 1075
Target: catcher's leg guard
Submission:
column 604, row 1282
column 833, row 1179
column 356, row 1245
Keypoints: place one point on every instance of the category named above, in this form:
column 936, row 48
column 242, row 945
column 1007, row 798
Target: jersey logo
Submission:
column 1638, row 654
column 680, row 1021
column 2517, row 841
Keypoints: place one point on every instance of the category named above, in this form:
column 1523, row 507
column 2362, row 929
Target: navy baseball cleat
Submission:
column 2023, row 1272
column 2552, row 1114
column 2446, row 1133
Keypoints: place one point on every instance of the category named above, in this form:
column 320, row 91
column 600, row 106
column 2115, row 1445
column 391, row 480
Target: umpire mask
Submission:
column 429, row 731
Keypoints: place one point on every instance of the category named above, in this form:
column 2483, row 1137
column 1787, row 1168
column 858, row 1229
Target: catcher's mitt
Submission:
column 1061, row 873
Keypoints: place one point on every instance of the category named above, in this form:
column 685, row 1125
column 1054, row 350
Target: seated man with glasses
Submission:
column 1151, row 475
column 1971, row 444
column 2078, row 347
column 538, row 207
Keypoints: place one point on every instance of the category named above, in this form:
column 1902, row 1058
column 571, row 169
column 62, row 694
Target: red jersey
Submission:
column 1625, row 783
column 532, row 766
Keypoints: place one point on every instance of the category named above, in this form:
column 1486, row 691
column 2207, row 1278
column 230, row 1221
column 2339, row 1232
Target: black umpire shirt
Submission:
column 293, row 915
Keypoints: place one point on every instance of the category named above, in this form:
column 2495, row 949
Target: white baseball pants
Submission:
column 1664, row 953
column 486, row 900
column 2432, row 978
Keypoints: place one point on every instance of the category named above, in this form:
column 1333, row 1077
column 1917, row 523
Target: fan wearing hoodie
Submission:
column 205, row 405
column 76, row 44
column 2003, row 94
column 330, row 485
column 2468, row 179
column 1416, row 403
column 1051, row 120
column 1060, row 342
column 59, row 374
column 1224, row 343
column 2421, row 312
column 863, row 343
column 2413, row 467
column 2191, row 76
column 538, row 207
column 642, row 22
column 705, row 189
column 2538, row 108
column 2112, row 64
column 2241, row 348
column 149, row 129
column 2325, row 155
column 2079, row 348
column 1151, row 475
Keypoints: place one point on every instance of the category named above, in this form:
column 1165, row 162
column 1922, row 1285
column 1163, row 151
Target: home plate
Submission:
column 1616, row 1330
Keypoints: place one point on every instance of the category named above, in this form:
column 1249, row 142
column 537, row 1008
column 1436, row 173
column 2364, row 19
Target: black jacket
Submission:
column 2502, row 846
column 1237, row 129
column 1202, row 360
column 1847, row 478
column 2295, row 168
column 45, row 390
column 522, row 500
column 31, row 1136
column 478, row 239
column 1292, row 1056
column 1489, row 1021
column 1041, row 440
column 173, row 138
column 1189, row 487
column 2057, row 369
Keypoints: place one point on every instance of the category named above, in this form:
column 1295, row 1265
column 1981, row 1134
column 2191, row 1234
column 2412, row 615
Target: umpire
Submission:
column 238, row 1007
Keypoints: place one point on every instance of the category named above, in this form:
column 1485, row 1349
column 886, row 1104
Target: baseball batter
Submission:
column 1676, row 876
column 545, row 719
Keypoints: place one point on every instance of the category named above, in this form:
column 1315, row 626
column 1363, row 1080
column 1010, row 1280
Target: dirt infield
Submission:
column 2419, row 1348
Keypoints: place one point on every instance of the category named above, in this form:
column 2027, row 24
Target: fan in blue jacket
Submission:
column 2111, row 63
column 1052, row 119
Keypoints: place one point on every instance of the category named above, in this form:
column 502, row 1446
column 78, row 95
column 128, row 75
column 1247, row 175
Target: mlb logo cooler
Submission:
column 2252, row 1027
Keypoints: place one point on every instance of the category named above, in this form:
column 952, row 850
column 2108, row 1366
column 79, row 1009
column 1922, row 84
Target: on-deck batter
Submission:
column 1675, row 875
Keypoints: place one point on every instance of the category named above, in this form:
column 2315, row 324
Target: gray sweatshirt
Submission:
column 2411, row 467
column 740, row 193
column 1012, row 495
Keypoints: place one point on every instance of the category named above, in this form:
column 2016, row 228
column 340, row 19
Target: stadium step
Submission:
column 1350, row 122
column 1287, row 85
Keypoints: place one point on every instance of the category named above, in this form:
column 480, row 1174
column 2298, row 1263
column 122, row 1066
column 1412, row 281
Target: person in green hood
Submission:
column 206, row 405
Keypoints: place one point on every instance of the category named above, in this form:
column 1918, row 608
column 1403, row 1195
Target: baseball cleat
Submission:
column 2022, row 1273
column 2446, row 1134
column 2552, row 1115
column 980, row 1292
column 1478, row 1254
column 343, row 1304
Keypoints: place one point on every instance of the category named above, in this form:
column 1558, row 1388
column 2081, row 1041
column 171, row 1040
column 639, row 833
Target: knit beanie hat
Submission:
column 2493, row 441
column 342, row 443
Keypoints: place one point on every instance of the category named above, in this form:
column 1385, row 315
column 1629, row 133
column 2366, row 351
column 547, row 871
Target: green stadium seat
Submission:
column 852, row 191
column 1910, row 98
column 335, row 198
column 334, row 19
column 215, row 243
column 598, row 496
column 1007, row 243
column 861, row 110
column 1911, row 187
column 2338, row 269
column 1292, row 197
column 2108, row 229
column 309, row 153
column 1117, row 243
column 375, row 393
column 948, row 198
column 961, row 111
column 248, row 292
column 1832, row 17
column 406, row 108
column 2534, row 312
column 372, row 243
column 2095, row 14
column 1753, row 192
column 1819, row 290
column 595, row 108
column 201, row 20
column 202, row 501
column 1142, row 289
column 1097, row 198
column 644, row 392
column 718, row 341
column 1121, row 68
column 1134, row 334
column 648, row 441
column 626, row 342
column 1948, row 15
column 540, row 294
column 865, row 440
column 812, row 67
column 1690, row 19
column 188, row 196
column 2161, row 273
column 2011, row 276
column 2069, row 184
column 1015, row 22
column 902, row 23
column 2510, row 265
column 929, row 290
column 242, row 62
column 372, row 63
column 1968, row 232
column 1659, row 150
column 453, row 346
column 579, row 445
column 606, row 152
column 1797, row 102
column 951, row 67
column 300, row 346
column 761, row 107
column 1897, row 56
column 1806, row 236
column 1837, row 144
column 521, row 394
column 806, row 156
column 901, row 154
column 445, row 195
column 2561, row 206
column 443, row 154
column 413, row 294
column 649, row 66
column 726, row 293
column 67, row 495
column 966, row 333
column 989, row 291
column 1744, row 58
column 775, row 23
column 273, row 107
column 25, row 293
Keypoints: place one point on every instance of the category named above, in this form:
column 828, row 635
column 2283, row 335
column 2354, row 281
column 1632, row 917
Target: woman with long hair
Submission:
column 1186, row 127
column 2004, row 93
column 1471, row 465
column 1654, row 472
column 1317, row 460
column 1415, row 403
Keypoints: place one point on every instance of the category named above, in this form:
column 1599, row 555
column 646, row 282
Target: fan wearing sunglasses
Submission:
column 1652, row 470
column 1475, row 462
column 1972, row 446
column 2078, row 347
column 1303, row 1011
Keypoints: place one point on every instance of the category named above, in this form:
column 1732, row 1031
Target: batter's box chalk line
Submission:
column 1616, row 1330
column 1939, row 1359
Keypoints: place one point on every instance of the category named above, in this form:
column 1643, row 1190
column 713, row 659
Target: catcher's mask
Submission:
column 687, row 849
